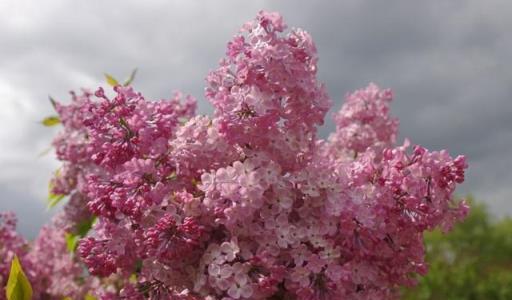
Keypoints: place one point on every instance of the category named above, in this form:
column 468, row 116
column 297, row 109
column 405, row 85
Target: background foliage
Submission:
column 474, row 261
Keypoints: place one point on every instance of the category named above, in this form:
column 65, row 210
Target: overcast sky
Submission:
column 448, row 63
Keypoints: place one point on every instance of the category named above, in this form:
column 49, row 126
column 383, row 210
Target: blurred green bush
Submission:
column 474, row 261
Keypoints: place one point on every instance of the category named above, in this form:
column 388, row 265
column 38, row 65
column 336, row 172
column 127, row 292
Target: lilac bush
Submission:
column 246, row 204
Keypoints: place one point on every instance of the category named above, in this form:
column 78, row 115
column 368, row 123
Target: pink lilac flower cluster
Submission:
column 53, row 272
column 364, row 122
column 11, row 244
column 58, row 273
column 247, row 204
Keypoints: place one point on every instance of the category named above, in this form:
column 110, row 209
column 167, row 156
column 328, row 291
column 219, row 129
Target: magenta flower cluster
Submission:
column 247, row 204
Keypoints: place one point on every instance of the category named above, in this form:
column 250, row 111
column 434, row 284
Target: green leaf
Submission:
column 84, row 226
column 82, row 229
column 18, row 287
column 52, row 101
column 51, row 121
column 111, row 80
column 131, row 78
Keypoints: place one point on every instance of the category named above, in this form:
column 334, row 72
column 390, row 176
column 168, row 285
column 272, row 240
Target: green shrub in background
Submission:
column 474, row 261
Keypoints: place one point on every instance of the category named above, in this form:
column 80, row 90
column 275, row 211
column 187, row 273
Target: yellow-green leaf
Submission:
column 111, row 80
column 71, row 241
column 45, row 151
column 172, row 176
column 82, row 229
column 54, row 199
column 89, row 297
column 50, row 121
column 182, row 120
column 18, row 287
column 131, row 78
